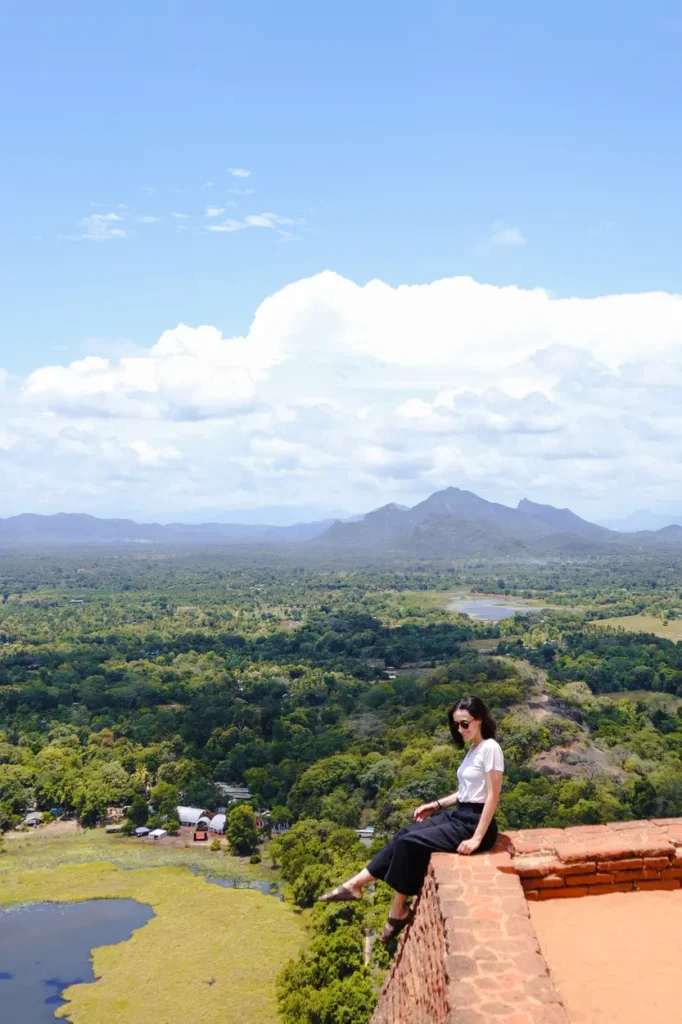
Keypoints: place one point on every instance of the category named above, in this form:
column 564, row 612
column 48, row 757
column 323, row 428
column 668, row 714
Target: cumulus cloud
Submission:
column 239, row 172
column 148, row 219
column 213, row 211
column 357, row 395
column 102, row 227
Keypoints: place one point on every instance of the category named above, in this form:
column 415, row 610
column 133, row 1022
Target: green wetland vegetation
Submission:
column 136, row 678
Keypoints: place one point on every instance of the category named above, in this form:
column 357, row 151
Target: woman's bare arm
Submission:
column 434, row 806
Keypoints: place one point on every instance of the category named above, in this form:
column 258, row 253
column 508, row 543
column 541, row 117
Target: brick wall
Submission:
column 471, row 955
column 593, row 860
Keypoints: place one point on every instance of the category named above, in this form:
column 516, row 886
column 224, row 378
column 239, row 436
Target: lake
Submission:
column 45, row 947
column 488, row 608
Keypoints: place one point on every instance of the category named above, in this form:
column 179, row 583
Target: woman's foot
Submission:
column 342, row 894
column 395, row 925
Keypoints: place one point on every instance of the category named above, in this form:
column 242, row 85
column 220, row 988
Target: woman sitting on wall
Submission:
column 463, row 822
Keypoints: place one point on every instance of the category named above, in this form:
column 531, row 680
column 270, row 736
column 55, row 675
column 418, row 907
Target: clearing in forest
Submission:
column 672, row 630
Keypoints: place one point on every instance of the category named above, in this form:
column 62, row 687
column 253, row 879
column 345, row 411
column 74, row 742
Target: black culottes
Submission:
column 403, row 863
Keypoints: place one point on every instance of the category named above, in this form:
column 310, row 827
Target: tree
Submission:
column 138, row 812
column 166, row 797
column 242, row 831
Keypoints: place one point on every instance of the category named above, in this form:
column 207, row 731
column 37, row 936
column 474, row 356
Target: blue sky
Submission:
column 526, row 144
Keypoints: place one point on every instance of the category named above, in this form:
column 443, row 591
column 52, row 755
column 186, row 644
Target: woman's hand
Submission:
column 468, row 846
column 426, row 810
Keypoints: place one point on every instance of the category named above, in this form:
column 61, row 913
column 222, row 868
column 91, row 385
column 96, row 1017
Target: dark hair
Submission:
column 477, row 709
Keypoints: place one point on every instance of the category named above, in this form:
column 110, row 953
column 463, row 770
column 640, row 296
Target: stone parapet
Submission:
column 471, row 955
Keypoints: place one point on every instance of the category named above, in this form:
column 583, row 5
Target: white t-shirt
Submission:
column 471, row 774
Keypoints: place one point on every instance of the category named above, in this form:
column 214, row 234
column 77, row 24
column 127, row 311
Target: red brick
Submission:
column 672, row 873
column 628, row 864
column 628, row 876
column 498, row 1010
column 618, row 848
column 532, row 895
column 583, row 868
column 523, row 846
column 662, row 883
column 571, row 853
column 532, row 965
column 486, row 914
column 656, row 863
column 595, row 879
column 559, row 894
column 549, row 882
column 604, row 890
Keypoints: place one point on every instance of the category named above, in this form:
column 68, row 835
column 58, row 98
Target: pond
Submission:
column 489, row 608
column 45, row 947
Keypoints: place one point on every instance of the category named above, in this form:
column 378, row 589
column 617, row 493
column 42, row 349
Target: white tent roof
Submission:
column 190, row 815
column 158, row 833
column 218, row 823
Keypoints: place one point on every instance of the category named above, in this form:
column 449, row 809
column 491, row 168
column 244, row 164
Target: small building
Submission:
column 217, row 824
column 141, row 831
column 365, row 833
column 33, row 819
column 158, row 833
column 191, row 816
column 233, row 793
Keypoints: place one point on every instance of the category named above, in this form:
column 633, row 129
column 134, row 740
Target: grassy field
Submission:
column 51, row 846
column 210, row 954
column 654, row 698
column 644, row 624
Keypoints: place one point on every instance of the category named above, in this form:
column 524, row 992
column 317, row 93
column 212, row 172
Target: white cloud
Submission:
column 239, row 172
column 213, row 211
column 180, row 216
column 256, row 220
column 502, row 237
column 507, row 236
column 102, row 227
column 365, row 394
column 148, row 219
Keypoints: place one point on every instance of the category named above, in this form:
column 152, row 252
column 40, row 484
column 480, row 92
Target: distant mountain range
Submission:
column 77, row 528
column 643, row 519
column 452, row 523
column 456, row 524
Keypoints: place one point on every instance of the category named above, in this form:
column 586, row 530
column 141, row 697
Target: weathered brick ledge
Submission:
column 471, row 955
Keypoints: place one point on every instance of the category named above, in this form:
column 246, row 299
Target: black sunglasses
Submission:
column 464, row 725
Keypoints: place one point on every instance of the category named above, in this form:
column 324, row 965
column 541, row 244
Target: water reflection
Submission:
column 45, row 947
column 267, row 888
column 489, row 609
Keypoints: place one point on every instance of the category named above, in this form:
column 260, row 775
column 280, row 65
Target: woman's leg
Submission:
column 356, row 883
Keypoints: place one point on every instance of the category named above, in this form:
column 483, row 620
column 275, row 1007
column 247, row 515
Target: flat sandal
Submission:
column 396, row 924
column 339, row 895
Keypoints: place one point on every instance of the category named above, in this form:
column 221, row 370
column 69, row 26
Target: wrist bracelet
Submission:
column 440, row 806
